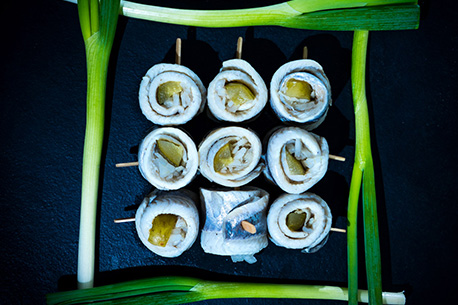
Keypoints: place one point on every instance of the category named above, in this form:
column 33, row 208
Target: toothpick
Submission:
column 247, row 226
column 305, row 53
column 127, row 164
column 178, row 52
column 339, row 230
column 121, row 220
column 337, row 158
column 238, row 53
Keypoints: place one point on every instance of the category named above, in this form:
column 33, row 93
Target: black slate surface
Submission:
column 411, row 76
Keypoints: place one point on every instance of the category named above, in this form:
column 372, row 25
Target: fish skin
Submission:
column 225, row 209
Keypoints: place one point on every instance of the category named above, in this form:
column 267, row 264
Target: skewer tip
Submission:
column 127, row 164
column 238, row 53
column 178, row 51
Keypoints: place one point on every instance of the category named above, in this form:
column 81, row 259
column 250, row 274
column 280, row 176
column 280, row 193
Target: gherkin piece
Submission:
column 172, row 152
column 295, row 220
column 239, row 93
column 298, row 89
column 295, row 166
column 167, row 90
column 161, row 230
column 223, row 157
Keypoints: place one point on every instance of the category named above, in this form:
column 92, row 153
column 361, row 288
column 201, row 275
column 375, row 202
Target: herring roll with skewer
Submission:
column 296, row 159
column 167, row 223
column 237, row 93
column 231, row 156
column 300, row 92
column 299, row 221
column 168, row 158
column 171, row 94
column 228, row 213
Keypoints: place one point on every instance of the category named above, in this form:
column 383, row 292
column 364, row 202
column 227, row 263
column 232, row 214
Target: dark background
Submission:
column 411, row 79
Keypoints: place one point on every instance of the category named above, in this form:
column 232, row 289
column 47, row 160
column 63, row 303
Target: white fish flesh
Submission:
column 225, row 210
column 158, row 169
column 231, row 156
column 300, row 92
column 184, row 233
column 171, row 94
column 299, row 221
column 233, row 108
column 296, row 159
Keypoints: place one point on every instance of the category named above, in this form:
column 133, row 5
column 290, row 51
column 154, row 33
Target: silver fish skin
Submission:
column 315, row 230
column 180, row 203
column 225, row 210
column 310, row 113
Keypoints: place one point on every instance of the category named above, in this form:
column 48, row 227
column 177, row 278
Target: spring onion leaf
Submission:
column 363, row 173
column 98, row 25
column 179, row 290
column 330, row 15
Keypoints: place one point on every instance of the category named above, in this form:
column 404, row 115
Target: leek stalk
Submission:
column 363, row 173
column 338, row 15
column 98, row 26
column 179, row 290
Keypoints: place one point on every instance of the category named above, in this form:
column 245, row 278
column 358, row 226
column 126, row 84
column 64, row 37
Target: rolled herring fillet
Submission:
column 168, row 222
column 296, row 159
column 223, row 232
column 299, row 221
column 168, row 158
column 171, row 94
column 237, row 93
column 300, row 92
column 231, row 156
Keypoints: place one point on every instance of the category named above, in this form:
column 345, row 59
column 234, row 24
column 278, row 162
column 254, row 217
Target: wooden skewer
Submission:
column 127, row 164
column 337, row 158
column 247, row 226
column 121, row 220
column 135, row 163
column 178, row 52
column 339, row 230
column 238, row 53
column 305, row 53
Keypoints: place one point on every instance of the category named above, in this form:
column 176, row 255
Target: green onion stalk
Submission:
column 98, row 26
column 329, row 15
column 363, row 173
column 179, row 290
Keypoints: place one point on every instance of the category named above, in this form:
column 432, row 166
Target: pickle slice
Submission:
column 172, row 152
column 238, row 93
column 295, row 220
column 166, row 91
column 223, row 157
column 298, row 89
column 295, row 166
column 161, row 230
